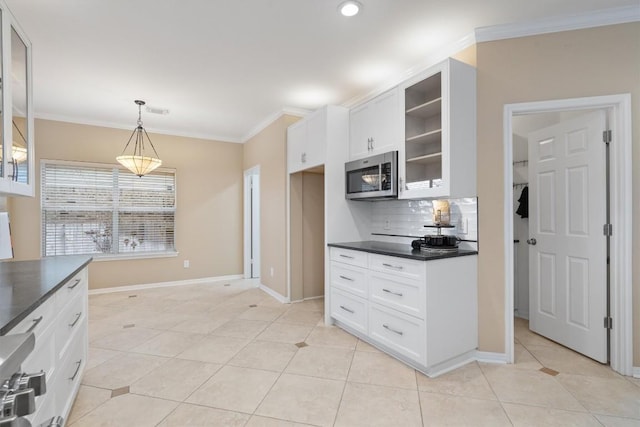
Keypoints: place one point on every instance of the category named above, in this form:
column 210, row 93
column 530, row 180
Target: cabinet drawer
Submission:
column 38, row 320
column 69, row 321
column 404, row 267
column 357, row 258
column 70, row 372
column 43, row 356
column 407, row 296
column 349, row 278
column 78, row 284
column 349, row 309
column 404, row 334
column 45, row 408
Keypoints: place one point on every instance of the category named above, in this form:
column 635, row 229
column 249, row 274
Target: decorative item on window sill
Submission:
column 137, row 162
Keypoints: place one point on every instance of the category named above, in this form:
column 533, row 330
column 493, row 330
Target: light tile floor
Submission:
column 230, row 355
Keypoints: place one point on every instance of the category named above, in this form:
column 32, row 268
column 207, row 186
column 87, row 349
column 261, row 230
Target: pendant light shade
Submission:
column 137, row 162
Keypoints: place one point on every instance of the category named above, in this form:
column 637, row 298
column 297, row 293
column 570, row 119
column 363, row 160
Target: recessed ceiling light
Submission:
column 349, row 8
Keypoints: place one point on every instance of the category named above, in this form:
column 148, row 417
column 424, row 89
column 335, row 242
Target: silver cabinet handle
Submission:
column 397, row 267
column 75, row 283
column 35, row 323
column 78, row 315
column 387, row 327
column 347, row 309
column 346, row 278
column 391, row 292
column 346, row 256
column 73, row 377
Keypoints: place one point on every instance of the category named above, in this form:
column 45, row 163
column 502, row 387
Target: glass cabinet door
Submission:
column 20, row 154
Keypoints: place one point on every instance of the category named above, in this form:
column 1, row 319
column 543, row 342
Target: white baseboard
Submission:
column 307, row 299
column 274, row 294
column 635, row 372
column 489, row 357
column 165, row 284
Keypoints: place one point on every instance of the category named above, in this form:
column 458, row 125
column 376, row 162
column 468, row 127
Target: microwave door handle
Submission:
column 379, row 177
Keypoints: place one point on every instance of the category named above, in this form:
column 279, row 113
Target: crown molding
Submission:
column 113, row 125
column 578, row 21
column 292, row 111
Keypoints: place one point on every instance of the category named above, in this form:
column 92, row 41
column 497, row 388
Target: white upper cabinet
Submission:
column 438, row 122
column 307, row 138
column 16, row 140
column 296, row 146
column 373, row 127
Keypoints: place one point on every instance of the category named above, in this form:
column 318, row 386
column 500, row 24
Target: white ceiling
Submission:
column 225, row 67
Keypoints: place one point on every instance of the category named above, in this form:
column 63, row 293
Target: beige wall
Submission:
column 268, row 149
column 591, row 62
column 296, row 252
column 313, row 234
column 209, row 203
column 306, row 206
column 468, row 55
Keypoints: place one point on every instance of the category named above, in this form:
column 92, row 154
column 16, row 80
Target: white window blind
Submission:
column 105, row 210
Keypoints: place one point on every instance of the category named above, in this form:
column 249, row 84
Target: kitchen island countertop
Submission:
column 25, row 285
column 400, row 250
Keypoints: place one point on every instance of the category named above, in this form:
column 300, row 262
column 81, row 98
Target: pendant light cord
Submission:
column 139, row 129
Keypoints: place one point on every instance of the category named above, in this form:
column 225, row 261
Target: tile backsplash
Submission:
column 394, row 218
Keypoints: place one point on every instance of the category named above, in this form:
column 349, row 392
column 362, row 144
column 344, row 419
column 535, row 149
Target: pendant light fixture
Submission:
column 137, row 162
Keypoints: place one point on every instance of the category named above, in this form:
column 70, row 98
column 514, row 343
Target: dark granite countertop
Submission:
column 400, row 250
column 25, row 285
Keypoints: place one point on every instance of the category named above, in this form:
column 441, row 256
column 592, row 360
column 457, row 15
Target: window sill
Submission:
column 149, row 255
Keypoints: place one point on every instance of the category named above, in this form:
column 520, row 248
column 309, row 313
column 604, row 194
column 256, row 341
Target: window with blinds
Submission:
column 104, row 210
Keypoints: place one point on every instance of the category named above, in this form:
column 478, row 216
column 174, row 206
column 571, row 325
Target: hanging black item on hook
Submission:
column 523, row 208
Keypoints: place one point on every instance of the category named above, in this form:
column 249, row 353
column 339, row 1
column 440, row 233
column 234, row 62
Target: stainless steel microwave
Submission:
column 372, row 178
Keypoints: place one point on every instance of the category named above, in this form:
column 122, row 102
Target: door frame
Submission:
column 248, row 235
column 619, row 117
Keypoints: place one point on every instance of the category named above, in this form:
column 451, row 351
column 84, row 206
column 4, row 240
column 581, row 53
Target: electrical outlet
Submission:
column 387, row 224
column 464, row 226
column 186, row 263
column 271, row 271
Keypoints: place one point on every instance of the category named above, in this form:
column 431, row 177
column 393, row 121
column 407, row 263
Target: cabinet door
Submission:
column 315, row 143
column 360, row 131
column 438, row 156
column 384, row 121
column 16, row 120
column 296, row 135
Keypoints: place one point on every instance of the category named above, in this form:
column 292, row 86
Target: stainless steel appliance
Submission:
column 372, row 178
column 17, row 389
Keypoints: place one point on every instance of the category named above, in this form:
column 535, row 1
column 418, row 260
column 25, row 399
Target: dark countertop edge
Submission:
column 418, row 256
column 13, row 322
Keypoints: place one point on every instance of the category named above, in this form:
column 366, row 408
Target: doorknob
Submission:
column 532, row 241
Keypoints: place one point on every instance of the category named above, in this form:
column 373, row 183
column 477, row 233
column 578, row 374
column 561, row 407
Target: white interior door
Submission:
column 567, row 252
column 255, row 225
column 252, row 223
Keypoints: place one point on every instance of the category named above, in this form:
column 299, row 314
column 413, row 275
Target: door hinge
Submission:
column 608, row 323
column 606, row 136
column 607, row 230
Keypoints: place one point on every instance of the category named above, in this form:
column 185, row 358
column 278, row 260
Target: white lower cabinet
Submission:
column 404, row 334
column 60, row 328
column 421, row 312
column 350, row 310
